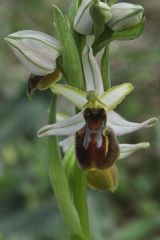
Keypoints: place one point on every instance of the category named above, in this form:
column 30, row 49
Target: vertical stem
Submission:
column 105, row 68
column 79, row 187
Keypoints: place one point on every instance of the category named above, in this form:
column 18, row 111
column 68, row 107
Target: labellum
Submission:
column 96, row 145
column 43, row 82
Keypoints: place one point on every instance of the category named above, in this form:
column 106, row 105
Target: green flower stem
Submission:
column 79, row 187
column 105, row 68
column 60, row 183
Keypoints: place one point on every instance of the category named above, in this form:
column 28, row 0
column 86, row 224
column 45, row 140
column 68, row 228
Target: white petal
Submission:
column 42, row 37
column 74, row 95
column 116, row 94
column 69, row 121
column 66, row 143
column 122, row 126
column 83, row 21
column 61, row 116
column 36, row 50
column 92, row 72
column 128, row 149
column 62, row 131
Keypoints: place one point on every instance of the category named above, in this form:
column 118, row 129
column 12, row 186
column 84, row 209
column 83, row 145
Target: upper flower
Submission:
column 125, row 15
column 119, row 16
column 106, row 99
column 36, row 50
column 95, row 95
column 83, row 22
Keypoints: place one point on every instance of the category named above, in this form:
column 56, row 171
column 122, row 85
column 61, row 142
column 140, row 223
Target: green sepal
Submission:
column 100, row 14
column 130, row 33
column 71, row 61
column 98, row 19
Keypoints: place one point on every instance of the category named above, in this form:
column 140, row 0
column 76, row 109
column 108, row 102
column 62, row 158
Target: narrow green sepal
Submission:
column 100, row 15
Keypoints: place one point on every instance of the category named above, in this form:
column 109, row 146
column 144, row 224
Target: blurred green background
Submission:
column 28, row 210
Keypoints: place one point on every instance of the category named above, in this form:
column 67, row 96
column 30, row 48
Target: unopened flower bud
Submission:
column 36, row 50
column 103, row 179
column 83, row 22
column 101, row 10
column 125, row 15
column 101, row 14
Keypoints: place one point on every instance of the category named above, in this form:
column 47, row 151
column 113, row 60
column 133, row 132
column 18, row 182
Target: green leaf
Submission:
column 111, row 2
column 79, row 39
column 72, row 10
column 60, row 183
column 68, row 162
column 71, row 61
column 130, row 33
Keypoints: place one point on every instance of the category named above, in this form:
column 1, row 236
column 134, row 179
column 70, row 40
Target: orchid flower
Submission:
column 107, row 99
column 110, row 99
column 91, row 134
column 37, row 51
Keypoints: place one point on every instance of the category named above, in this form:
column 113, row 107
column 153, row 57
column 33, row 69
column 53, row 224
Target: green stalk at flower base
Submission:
column 79, row 188
column 77, row 180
